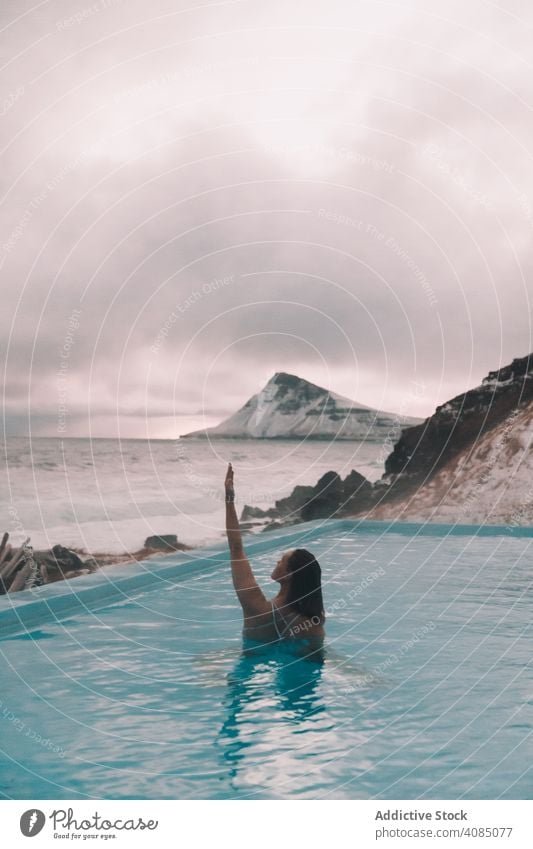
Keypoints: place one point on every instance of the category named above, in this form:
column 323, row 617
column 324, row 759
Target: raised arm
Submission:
column 252, row 600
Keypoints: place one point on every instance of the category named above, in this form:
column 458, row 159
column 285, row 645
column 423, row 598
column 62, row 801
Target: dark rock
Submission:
column 326, row 499
column 165, row 542
column 294, row 502
column 67, row 557
column 330, row 497
column 90, row 563
column 354, row 483
column 284, row 507
column 357, row 494
column 249, row 513
column 457, row 425
column 58, row 561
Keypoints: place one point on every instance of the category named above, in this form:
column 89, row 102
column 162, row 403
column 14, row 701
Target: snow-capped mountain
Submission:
column 471, row 462
column 289, row 407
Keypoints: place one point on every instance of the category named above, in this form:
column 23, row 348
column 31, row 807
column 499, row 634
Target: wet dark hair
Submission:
column 305, row 587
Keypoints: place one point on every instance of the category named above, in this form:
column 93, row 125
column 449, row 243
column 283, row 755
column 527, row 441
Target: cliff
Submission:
column 470, row 462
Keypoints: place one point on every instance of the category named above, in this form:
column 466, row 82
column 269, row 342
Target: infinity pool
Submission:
column 424, row 690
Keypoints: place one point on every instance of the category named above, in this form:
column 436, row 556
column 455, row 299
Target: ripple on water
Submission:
column 156, row 697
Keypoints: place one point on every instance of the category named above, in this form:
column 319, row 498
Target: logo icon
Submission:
column 32, row 822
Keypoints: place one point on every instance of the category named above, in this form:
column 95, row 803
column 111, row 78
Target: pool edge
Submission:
column 53, row 603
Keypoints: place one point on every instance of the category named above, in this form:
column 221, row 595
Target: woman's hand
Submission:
column 228, row 484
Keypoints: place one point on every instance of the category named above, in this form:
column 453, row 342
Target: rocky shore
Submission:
column 469, row 461
column 23, row 568
column 330, row 497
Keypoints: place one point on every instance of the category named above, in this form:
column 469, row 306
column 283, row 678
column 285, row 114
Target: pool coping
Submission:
column 52, row 603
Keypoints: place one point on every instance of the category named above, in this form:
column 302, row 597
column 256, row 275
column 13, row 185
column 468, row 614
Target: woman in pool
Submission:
column 298, row 610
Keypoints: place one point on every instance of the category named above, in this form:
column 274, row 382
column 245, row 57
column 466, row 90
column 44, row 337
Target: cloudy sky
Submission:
column 198, row 194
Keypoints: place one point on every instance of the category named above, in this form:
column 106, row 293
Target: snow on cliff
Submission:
column 289, row 407
column 490, row 482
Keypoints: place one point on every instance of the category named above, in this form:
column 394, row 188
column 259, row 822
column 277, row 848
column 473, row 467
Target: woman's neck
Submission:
column 282, row 596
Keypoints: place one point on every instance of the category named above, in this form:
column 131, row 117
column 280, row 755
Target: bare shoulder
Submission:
column 307, row 626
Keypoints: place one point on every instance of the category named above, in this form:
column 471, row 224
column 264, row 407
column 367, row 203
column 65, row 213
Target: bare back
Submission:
column 282, row 624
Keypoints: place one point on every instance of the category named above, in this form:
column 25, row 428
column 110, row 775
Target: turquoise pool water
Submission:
column 424, row 691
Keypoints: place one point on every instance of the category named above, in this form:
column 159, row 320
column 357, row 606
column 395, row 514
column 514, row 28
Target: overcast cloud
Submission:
column 196, row 195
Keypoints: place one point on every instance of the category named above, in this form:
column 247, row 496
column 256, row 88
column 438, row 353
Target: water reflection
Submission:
column 273, row 693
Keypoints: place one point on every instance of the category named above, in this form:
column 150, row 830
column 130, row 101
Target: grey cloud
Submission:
column 382, row 183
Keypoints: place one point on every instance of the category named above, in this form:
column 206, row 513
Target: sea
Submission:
column 108, row 495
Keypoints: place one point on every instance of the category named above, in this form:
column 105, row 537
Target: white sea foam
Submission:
column 108, row 496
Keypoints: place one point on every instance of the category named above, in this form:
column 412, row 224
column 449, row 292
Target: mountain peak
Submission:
column 291, row 382
column 286, row 379
column 290, row 407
